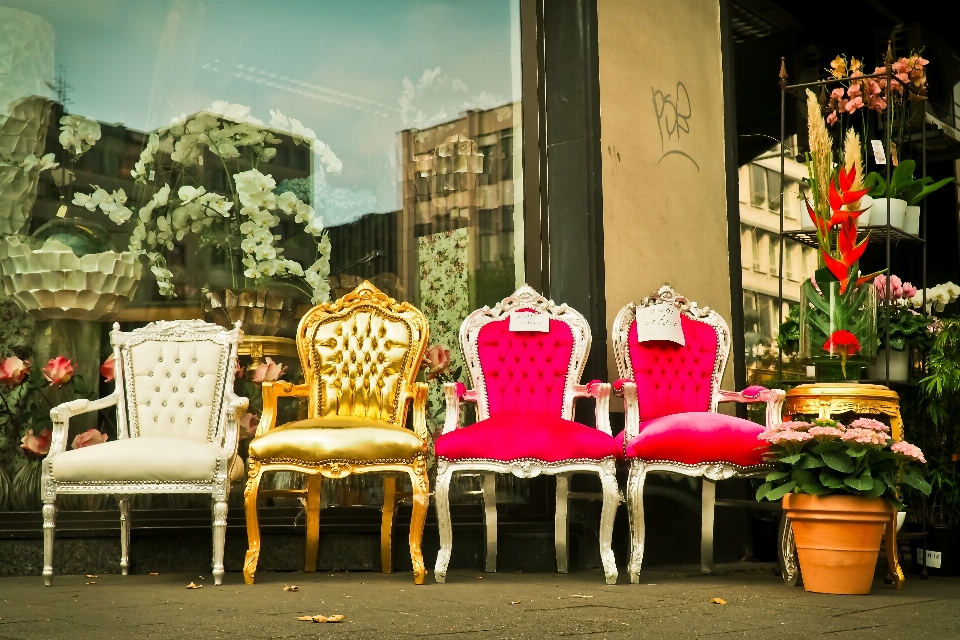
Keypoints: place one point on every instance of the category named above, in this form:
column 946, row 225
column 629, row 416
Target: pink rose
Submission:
column 248, row 425
column 59, row 370
column 89, row 437
column 13, row 370
column 269, row 371
column 39, row 444
column 437, row 358
column 106, row 369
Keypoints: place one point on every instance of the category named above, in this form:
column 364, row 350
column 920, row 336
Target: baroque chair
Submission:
column 177, row 428
column 360, row 357
column 671, row 392
column 526, row 356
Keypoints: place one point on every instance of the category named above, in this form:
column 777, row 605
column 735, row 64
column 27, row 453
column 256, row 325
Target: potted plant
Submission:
column 905, row 192
column 940, row 395
column 236, row 227
column 837, row 312
column 840, row 486
column 908, row 328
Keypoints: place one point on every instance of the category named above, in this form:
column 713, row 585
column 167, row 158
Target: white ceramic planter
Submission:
column 878, row 213
column 52, row 282
column 911, row 221
column 899, row 366
column 866, row 204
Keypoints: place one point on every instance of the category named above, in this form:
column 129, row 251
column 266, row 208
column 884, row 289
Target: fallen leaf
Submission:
column 291, row 587
column 90, row 576
column 479, row 577
column 514, row 602
column 194, row 586
column 90, row 582
column 321, row 619
column 577, row 595
column 154, row 573
column 718, row 601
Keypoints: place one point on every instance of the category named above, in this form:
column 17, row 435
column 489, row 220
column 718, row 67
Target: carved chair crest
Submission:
column 519, row 371
column 361, row 354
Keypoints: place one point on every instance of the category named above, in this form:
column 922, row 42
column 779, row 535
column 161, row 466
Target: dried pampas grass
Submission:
column 821, row 152
column 853, row 157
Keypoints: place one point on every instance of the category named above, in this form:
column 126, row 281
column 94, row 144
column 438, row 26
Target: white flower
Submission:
column 297, row 129
column 78, row 134
column 331, row 163
column 160, row 197
column 217, row 203
column 293, row 267
column 188, row 194
column 265, row 252
column 268, row 154
column 47, row 162
column 288, row 202
column 278, row 120
column 234, row 112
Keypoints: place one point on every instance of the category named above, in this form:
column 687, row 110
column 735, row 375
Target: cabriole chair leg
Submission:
column 635, row 481
column 561, row 524
column 49, row 524
column 314, row 485
column 253, row 522
column 611, row 499
column 421, row 500
column 442, row 498
column 124, row 502
column 490, row 519
column 219, row 537
column 386, row 524
column 706, row 525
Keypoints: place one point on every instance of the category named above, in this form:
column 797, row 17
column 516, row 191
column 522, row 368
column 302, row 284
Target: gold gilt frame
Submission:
column 366, row 297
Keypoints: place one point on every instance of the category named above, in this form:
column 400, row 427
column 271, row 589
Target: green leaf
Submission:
column 857, row 453
column 781, row 491
column 838, row 460
column 860, row 483
column 878, row 488
column 814, row 489
column 809, row 462
column 790, row 459
column 777, row 475
column 830, row 480
column 802, row 476
column 915, row 480
column 763, row 490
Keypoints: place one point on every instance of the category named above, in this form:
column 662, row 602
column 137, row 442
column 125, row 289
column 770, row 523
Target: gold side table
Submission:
column 828, row 399
column 259, row 347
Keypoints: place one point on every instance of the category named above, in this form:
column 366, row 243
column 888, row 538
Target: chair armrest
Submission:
column 418, row 393
column 236, row 407
column 600, row 391
column 60, row 416
column 773, row 397
column 627, row 389
column 454, row 392
column 271, row 391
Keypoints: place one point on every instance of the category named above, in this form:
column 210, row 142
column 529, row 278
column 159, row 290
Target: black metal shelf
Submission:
column 877, row 237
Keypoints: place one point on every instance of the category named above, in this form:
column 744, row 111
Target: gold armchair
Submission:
column 360, row 357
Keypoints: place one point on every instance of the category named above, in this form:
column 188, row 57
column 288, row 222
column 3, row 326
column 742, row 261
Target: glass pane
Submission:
column 773, row 191
column 240, row 160
column 758, row 185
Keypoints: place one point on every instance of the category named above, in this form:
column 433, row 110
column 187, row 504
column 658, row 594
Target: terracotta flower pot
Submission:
column 838, row 539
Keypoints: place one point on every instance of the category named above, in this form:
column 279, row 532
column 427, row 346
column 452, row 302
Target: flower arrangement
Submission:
column 906, row 325
column 25, row 403
column 240, row 223
column 826, row 457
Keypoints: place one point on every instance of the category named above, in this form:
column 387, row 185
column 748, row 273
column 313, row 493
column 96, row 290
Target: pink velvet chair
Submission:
column 526, row 383
column 671, row 393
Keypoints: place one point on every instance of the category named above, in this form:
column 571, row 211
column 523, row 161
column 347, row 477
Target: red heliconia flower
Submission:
column 850, row 252
column 844, row 342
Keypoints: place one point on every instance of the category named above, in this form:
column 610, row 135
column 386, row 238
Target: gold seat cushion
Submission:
column 337, row 438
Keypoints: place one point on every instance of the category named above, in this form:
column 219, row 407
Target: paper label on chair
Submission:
column 659, row 322
column 526, row 321
column 878, row 156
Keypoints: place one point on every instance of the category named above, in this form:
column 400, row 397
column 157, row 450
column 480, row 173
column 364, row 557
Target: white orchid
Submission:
column 139, row 170
column 78, row 134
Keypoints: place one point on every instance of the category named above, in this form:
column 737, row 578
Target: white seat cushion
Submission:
column 142, row 459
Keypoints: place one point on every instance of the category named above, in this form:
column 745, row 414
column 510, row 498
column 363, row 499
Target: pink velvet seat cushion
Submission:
column 697, row 437
column 507, row 437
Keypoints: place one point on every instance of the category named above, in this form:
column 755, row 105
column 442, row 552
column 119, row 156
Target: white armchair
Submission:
column 177, row 428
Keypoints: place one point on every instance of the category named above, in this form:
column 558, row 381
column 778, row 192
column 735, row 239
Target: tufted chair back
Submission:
column 525, row 371
column 361, row 355
column 672, row 378
column 175, row 375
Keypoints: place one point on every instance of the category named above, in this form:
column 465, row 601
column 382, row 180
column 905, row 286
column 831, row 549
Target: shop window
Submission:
column 385, row 154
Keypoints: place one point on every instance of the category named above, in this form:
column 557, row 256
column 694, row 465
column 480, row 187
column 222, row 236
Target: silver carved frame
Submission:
column 527, row 298
column 223, row 430
column 711, row 472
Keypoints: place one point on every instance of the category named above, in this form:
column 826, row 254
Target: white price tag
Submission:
column 525, row 321
column 659, row 322
column 933, row 559
column 62, row 211
column 878, row 155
